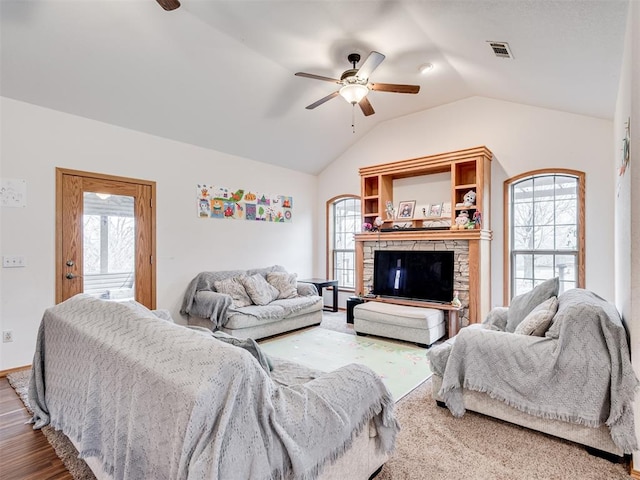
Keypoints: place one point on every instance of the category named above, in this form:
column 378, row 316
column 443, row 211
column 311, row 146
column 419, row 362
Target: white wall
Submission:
column 522, row 138
column 627, row 230
column 36, row 140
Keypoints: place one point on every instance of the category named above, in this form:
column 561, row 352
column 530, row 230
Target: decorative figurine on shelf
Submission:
column 377, row 223
column 391, row 212
column 469, row 198
column 461, row 221
column 477, row 220
column 456, row 301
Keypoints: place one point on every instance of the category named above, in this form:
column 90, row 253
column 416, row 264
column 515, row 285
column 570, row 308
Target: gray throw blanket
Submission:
column 156, row 400
column 580, row 372
column 212, row 306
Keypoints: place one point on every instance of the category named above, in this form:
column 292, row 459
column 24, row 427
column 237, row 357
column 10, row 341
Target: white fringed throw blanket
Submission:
column 155, row 400
column 580, row 372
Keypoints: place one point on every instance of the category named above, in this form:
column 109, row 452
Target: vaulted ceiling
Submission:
column 220, row 74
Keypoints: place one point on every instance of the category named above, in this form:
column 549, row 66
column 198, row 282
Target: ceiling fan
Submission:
column 355, row 83
column 169, row 4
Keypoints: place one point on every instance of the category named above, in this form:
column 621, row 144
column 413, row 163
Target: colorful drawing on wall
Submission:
column 250, row 197
column 217, row 208
column 232, row 204
column 264, row 199
column 250, row 211
column 624, row 164
column 203, row 208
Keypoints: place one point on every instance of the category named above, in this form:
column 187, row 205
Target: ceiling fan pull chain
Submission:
column 353, row 117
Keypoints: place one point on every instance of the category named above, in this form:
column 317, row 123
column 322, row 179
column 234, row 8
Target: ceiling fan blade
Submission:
column 317, row 77
column 395, row 88
column 169, row 4
column 366, row 107
column 322, row 100
column 370, row 64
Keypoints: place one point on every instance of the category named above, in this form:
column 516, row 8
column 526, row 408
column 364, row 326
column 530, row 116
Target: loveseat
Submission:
column 556, row 364
column 253, row 303
column 144, row 398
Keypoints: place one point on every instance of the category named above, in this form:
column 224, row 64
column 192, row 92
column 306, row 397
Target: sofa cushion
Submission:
column 285, row 283
column 259, row 290
column 233, row 287
column 539, row 319
column 522, row 305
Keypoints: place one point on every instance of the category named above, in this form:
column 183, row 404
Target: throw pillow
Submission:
column 233, row 287
column 286, row 283
column 539, row 319
column 259, row 290
column 522, row 305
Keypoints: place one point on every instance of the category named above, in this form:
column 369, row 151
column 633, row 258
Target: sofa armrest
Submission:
column 307, row 289
column 497, row 317
column 212, row 305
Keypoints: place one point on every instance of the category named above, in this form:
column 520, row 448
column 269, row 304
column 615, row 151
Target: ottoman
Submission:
column 412, row 324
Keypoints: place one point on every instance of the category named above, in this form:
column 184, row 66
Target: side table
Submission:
column 321, row 283
column 351, row 303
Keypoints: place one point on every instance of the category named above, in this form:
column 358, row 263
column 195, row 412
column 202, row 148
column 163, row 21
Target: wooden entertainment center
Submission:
column 469, row 169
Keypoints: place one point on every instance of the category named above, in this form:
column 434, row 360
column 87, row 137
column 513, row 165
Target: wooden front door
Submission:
column 105, row 237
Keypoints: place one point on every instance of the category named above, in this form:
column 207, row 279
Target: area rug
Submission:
column 401, row 365
column 433, row 444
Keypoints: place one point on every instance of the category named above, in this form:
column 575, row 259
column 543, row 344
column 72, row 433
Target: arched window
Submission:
column 544, row 230
column 343, row 221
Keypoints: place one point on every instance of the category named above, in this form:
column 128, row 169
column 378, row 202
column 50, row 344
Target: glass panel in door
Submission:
column 109, row 246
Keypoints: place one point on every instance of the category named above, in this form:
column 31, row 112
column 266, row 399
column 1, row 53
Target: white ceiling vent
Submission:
column 501, row 49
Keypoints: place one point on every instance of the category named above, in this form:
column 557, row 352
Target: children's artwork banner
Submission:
column 226, row 203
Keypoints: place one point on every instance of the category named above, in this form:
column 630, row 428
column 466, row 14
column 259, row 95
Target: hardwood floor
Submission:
column 25, row 454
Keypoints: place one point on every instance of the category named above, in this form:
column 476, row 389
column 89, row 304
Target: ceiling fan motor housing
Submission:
column 351, row 73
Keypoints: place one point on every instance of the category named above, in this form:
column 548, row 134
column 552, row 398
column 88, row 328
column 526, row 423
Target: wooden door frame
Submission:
column 60, row 172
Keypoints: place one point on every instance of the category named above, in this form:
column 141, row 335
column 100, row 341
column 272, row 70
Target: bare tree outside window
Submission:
column 544, row 225
column 109, row 246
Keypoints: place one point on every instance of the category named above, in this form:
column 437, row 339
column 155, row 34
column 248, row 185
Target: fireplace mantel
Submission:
column 425, row 234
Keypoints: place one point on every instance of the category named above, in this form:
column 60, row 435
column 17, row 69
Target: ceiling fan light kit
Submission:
column 354, row 92
column 355, row 83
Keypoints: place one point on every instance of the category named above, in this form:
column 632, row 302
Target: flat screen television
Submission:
column 415, row 275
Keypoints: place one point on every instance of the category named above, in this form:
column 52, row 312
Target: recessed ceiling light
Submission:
column 425, row 68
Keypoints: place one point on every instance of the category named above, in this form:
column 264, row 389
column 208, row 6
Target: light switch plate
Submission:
column 15, row 261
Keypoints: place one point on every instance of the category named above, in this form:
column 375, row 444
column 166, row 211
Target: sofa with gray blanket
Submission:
column 253, row 303
column 558, row 364
column 144, row 398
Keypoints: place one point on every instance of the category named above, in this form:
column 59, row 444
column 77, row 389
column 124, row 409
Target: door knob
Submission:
column 70, row 276
column 70, row 263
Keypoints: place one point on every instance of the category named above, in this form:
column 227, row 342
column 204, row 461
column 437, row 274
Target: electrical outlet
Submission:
column 14, row 261
column 7, row 336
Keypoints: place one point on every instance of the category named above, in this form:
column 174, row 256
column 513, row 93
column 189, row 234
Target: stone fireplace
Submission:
column 460, row 266
column 472, row 263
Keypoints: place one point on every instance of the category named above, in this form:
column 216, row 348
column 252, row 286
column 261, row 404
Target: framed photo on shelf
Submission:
column 435, row 210
column 422, row 211
column 446, row 209
column 405, row 209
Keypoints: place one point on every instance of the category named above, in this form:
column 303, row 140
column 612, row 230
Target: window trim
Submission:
column 328, row 240
column 506, row 212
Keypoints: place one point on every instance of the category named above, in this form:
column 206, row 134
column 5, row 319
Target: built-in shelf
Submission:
column 468, row 169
